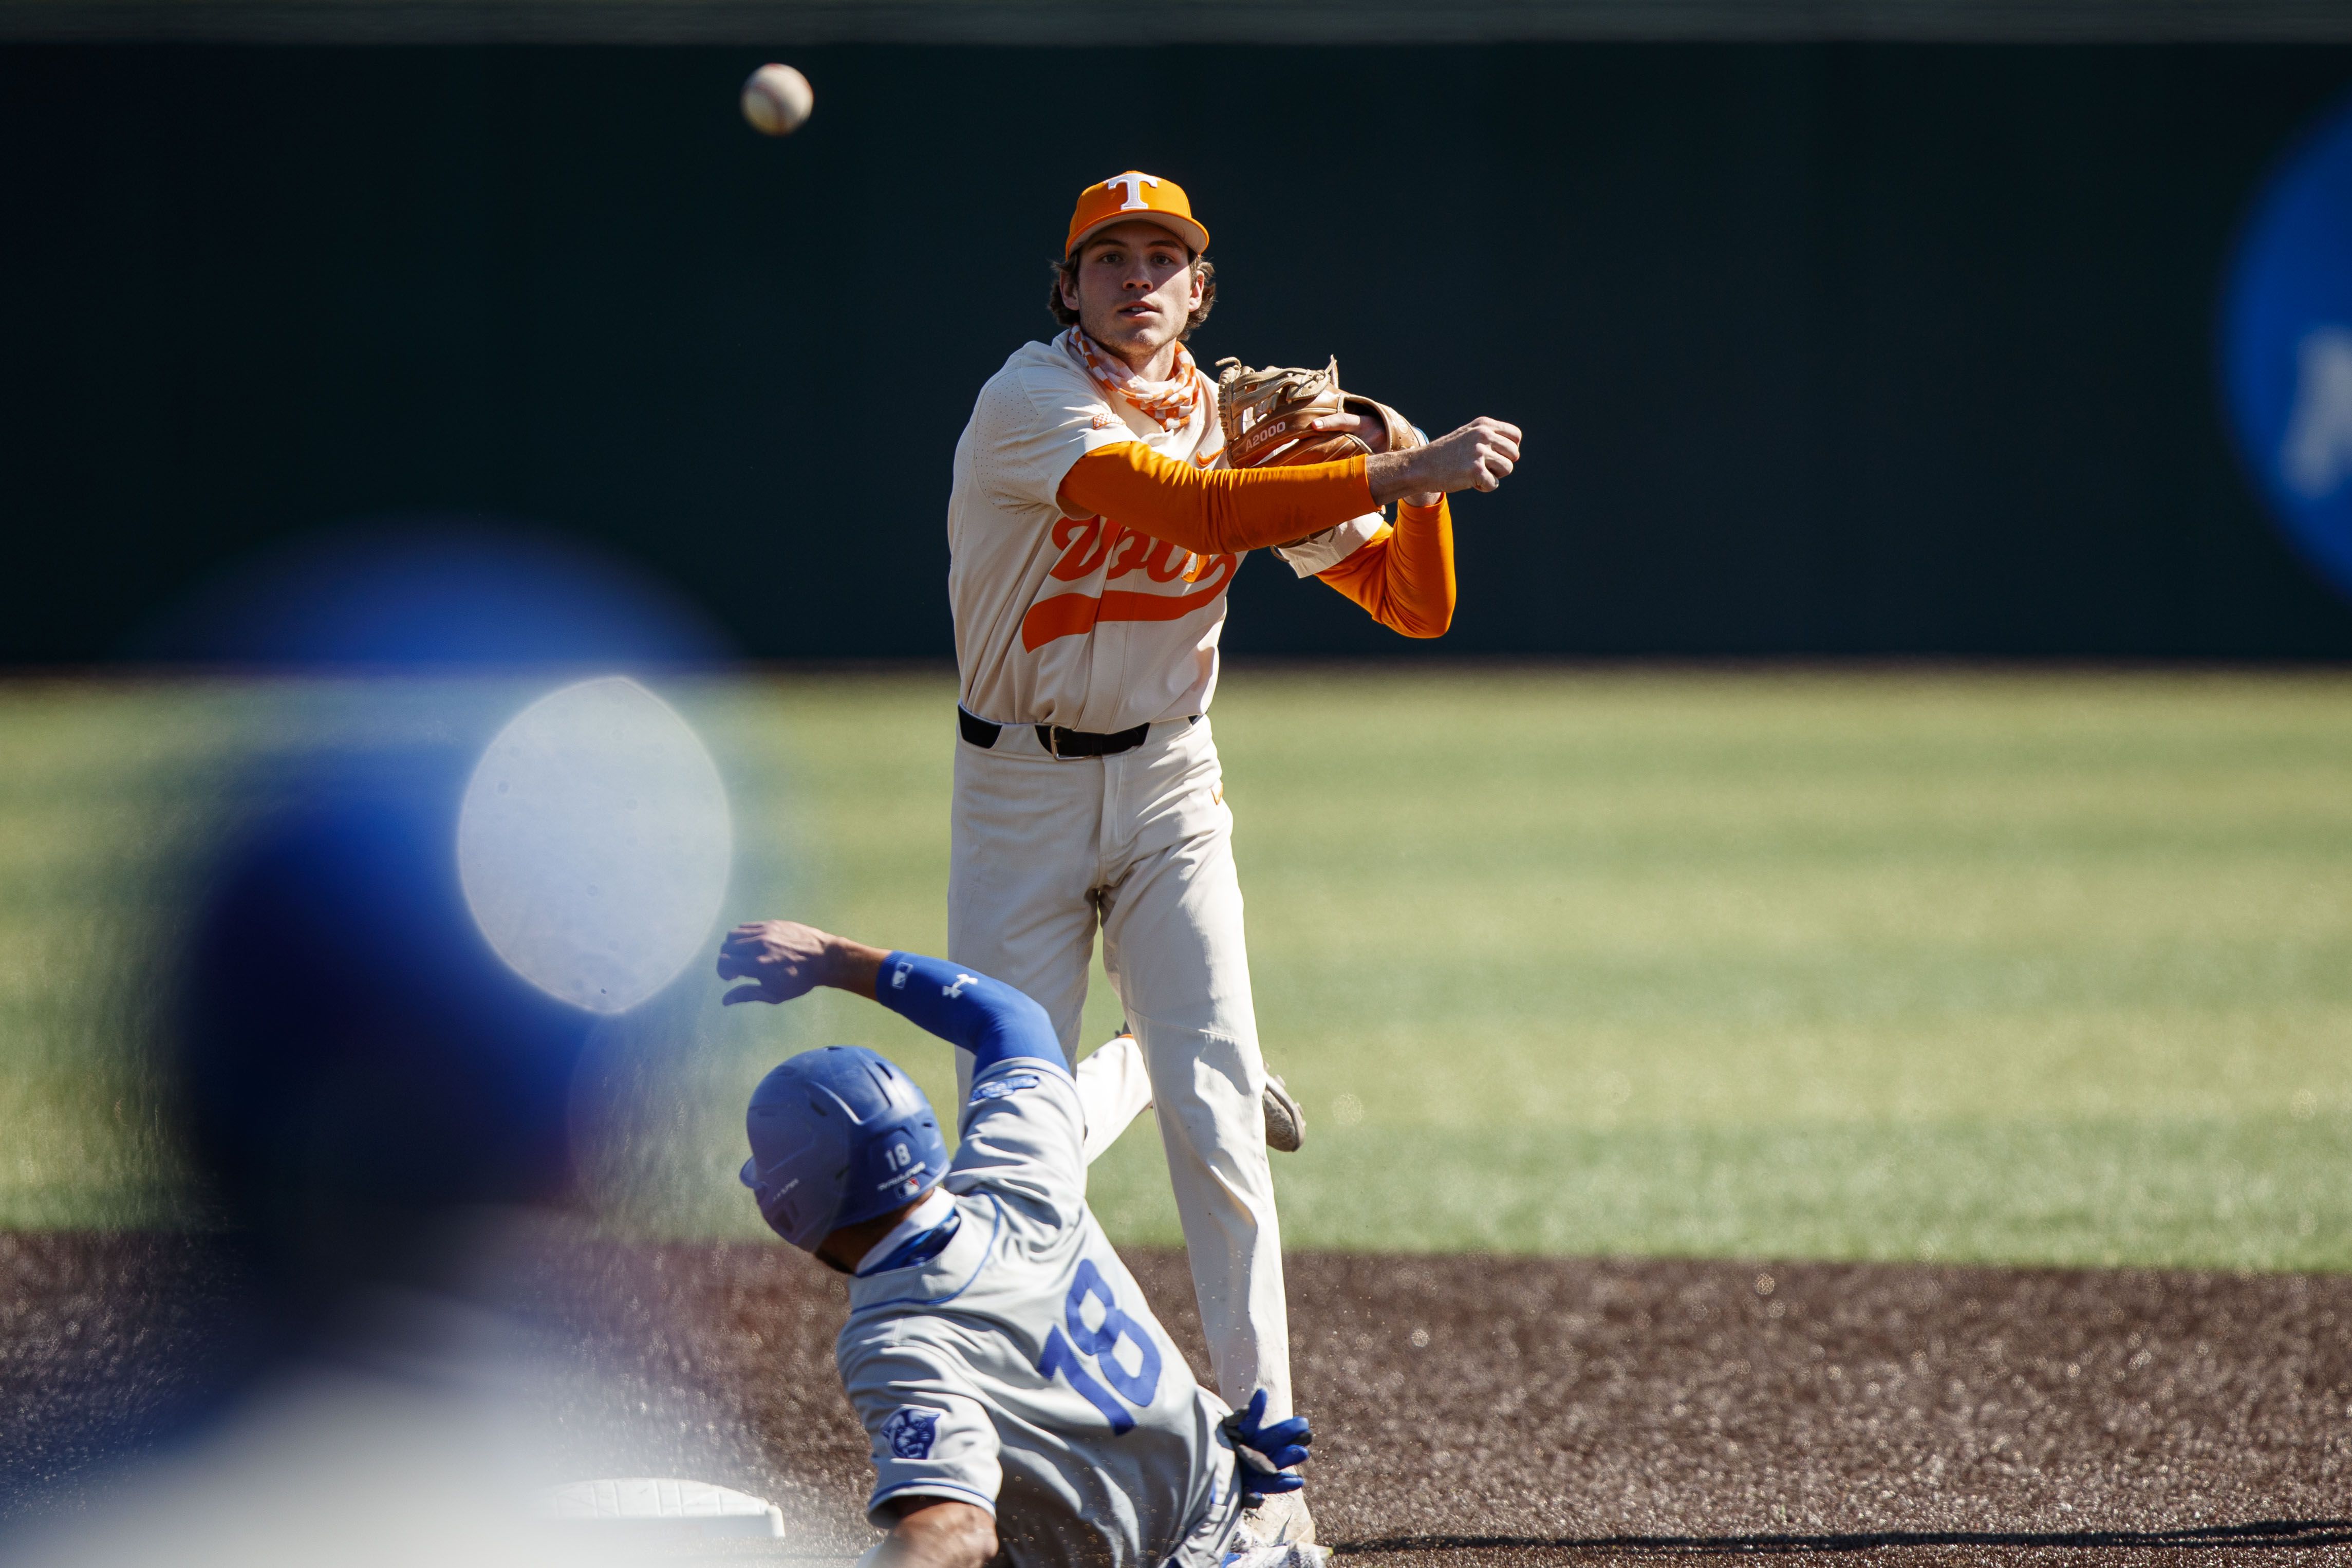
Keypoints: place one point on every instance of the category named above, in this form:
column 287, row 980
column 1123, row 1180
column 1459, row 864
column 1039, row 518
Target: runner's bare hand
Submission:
column 782, row 959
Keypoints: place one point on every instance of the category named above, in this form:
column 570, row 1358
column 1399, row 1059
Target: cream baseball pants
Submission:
column 1140, row 844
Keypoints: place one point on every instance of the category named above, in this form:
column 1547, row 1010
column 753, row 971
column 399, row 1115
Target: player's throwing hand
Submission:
column 1478, row 456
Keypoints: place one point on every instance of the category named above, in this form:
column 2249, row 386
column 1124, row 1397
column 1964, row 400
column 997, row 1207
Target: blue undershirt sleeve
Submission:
column 987, row 1018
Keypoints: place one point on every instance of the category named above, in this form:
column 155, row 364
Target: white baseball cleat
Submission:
column 1285, row 1124
column 1281, row 1519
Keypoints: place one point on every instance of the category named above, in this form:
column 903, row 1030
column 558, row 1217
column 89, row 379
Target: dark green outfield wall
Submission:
column 1821, row 349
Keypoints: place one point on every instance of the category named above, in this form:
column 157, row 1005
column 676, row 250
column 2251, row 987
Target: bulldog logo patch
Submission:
column 911, row 1432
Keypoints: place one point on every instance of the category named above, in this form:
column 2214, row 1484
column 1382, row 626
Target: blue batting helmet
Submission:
column 839, row 1135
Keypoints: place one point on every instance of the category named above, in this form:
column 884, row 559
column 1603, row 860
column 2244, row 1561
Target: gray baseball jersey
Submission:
column 1019, row 1368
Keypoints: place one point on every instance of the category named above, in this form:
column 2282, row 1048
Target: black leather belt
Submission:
column 1058, row 742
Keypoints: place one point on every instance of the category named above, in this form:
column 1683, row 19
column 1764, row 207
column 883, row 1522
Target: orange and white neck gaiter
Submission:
column 1170, row 403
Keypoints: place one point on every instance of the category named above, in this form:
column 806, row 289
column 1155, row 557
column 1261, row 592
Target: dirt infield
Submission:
column 1470, row 1412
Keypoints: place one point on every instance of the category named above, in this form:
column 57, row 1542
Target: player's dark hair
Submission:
column 1067, row 272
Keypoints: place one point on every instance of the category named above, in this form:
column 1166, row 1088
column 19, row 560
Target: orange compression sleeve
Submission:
column 1213, row 511
column 1404, row 575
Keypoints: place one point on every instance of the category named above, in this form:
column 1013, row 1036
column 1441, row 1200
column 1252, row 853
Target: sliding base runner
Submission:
column 1019, row 1396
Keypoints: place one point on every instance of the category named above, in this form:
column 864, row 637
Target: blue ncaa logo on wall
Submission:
column 2287, row 346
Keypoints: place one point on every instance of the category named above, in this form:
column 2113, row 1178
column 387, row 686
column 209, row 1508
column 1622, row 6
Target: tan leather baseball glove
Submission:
column 1265, row 415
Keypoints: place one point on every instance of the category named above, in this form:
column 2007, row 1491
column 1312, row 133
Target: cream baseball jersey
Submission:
column 1080, row 621
column 1016, row 1366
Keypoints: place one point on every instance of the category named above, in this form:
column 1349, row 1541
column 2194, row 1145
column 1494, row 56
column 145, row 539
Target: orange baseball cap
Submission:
column 1134, row 195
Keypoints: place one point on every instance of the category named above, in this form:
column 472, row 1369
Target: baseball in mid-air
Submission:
column 777, row 99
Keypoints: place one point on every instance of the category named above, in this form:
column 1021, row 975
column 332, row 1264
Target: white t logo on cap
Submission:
column 1134, row 184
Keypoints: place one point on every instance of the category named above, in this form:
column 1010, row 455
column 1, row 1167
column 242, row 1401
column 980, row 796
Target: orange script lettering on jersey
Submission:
column 1086, row 543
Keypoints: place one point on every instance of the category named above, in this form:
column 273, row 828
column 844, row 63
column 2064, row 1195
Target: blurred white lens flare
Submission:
column 594, row 843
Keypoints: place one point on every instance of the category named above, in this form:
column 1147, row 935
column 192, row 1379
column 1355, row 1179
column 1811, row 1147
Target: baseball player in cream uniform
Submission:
column 1093, row 534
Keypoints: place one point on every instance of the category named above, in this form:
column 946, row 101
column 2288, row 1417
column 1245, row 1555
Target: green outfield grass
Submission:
column 2050, row 968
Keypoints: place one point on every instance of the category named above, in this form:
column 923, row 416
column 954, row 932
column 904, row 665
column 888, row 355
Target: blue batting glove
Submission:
column 1281, row 1446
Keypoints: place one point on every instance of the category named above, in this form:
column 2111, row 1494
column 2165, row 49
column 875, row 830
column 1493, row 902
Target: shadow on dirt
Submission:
column 2284, row 1532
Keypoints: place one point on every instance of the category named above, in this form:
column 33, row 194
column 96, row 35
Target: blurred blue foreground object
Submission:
column 358, row 1063
column 354, row 1062
column 594, row 843
column 439, row 591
